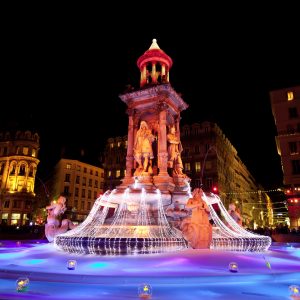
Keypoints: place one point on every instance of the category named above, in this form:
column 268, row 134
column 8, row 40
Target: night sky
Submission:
column 62, row 75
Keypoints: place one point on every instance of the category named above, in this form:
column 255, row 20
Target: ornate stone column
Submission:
column 130, row 141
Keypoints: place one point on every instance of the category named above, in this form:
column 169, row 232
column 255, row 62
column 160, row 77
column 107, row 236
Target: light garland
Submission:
column 133, row 229
column 228, row 235
column 252, row 192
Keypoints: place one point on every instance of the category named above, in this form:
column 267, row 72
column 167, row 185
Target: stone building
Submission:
column 18, row 165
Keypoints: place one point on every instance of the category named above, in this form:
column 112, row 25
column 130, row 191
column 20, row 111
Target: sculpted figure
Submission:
column 174, row 152
column 235, row 214
column 54, row 226
column 143, row 152
column 197, row 229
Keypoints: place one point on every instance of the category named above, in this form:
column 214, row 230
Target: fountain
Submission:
column 154, row 180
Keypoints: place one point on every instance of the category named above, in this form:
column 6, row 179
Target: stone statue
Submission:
column 197, row 229
column 54, row 226
column 235, row 214
column 174, row 152
column 143, row 152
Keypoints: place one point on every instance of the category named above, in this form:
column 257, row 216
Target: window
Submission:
column 296, row 166
column 90, row 182
column 25, row 150
column 95, row 194
column 66, row 190
column 5, row 216
column 89, row 205
column 207, row 146
column 91, row 172
column 119, row 144
column 126, row 143
column 293, row 148
column 27, row 204
column 101, row 185
column 84, row 170
column 118, row 159
column 209, row 182
column 109, row 173
column 102, row 174
column 78, row 179
column 111, row 145
column 206, row 129
column 208, row 165
column 6, row 204
column 89, row 194
column 15, row 216
column 84, row 181
column 290, row 96
column 82, row 205
column 196, row 131
column 22, row 170
column 33, row 153
column 293, row 113
column 67, row 178
column 96, row 184
column 118, row 173
column 96, row 173
column 197, row 183
column 76, row 203
column 69, row 166
column 78, row 168
column 83, row 193
column 76, row 192
column 197, row 149
column 197, row 166
column 187, row 166
column 186, row 132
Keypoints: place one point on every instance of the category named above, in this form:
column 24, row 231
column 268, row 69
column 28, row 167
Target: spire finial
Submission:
column 154, row 45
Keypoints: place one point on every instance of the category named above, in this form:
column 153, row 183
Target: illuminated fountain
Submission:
column 154, row 180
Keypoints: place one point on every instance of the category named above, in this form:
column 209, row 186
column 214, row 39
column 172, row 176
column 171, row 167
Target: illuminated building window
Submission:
column 119, row 144
column 118, row 173
column 5, row 216
column 187, row 166
column 15, row 216
column 290, row 96
column 111, row 145
column 33, row 153
column 197, row 166
column 109, row 173
column 69, row 166
column 18, row 150
column 126, row 143
column 25, row 150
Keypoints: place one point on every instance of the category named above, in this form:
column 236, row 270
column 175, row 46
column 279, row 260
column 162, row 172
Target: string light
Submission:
column 252, row 192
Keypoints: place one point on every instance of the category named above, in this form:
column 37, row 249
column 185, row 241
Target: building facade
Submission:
column 18, row 166
column 114, row 161
column 212, row 163
column 285, row 105
column 80, row 183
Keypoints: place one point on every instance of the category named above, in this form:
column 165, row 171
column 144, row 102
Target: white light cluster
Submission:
column 228, row 235
column 137, row 226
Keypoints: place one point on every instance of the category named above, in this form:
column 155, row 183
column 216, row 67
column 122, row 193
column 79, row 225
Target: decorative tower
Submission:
column 157, row 105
